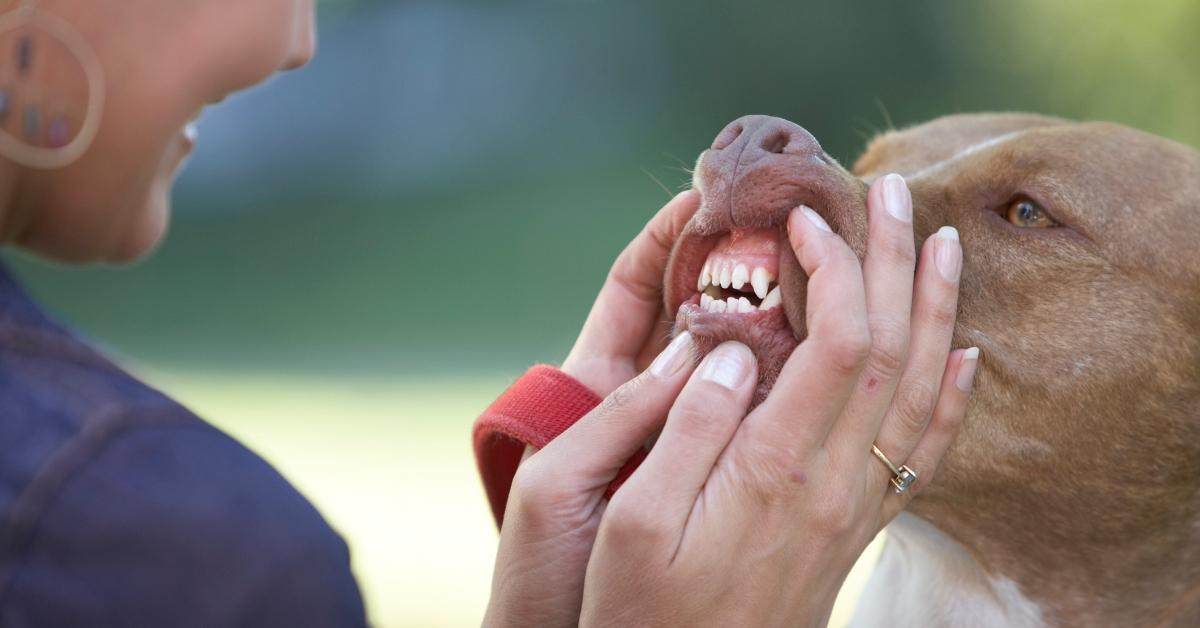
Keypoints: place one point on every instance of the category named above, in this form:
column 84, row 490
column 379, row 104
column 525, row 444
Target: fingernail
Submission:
column 728, row 365
column 815, row 218
column 966, row 370
column 948, row 255
column 673, row 357
column 896, row 199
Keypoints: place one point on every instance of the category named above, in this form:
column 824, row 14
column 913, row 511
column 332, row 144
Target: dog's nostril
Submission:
column 776, row 142
column 728, row 135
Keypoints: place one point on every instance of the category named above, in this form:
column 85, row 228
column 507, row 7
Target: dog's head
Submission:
column 1081, row 264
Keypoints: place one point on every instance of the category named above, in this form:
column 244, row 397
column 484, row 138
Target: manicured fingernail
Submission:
column 948, row 255
column 673, row 357
column 966, row 370
column 896, row 199
column 815, row 218
column 728, row 365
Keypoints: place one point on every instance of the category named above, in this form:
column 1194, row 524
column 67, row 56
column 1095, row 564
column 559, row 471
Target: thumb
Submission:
column 590, row 453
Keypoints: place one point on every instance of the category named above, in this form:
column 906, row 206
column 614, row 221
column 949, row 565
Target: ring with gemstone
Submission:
column 902, row 476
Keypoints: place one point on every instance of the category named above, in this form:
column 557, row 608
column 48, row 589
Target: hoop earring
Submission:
column 45, row 141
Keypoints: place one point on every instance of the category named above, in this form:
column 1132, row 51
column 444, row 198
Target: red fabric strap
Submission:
column 538, row 407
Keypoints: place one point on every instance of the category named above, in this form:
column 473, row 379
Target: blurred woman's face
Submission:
column 164, row 61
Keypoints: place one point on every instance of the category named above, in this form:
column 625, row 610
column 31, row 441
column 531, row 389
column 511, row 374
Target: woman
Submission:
column 119, row 507
column 122, row 508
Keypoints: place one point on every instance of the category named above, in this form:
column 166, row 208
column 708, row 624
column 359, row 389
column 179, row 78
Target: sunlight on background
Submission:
column 365, row 252
column 405, row 495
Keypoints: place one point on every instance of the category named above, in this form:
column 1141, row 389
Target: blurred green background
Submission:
column 366, row 251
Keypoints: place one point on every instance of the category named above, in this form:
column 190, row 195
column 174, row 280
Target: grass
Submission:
column 389, row 464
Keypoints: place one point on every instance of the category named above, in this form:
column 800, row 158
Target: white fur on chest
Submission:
column 924, row 578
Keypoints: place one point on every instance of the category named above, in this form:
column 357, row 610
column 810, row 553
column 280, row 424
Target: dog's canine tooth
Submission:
column 726, row 275
column 705, row 301
column 705, row 277
column 761, row 280
column 740, row 276
column 744, row 306
column 772, row 299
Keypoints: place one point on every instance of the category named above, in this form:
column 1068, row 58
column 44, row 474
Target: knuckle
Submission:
column 833, row 517
column 620, row 399
column 699, row 418
column 913, row 405
column 768, row 466
column 943, row 313
column 626, row 523
column 534, row 489
column 950, row 421
column 849, row 351
column 894, row 248
column 889, row 349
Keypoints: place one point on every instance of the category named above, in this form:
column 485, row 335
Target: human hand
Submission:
column 626, row 327
column 557, row 495
column 756, row 521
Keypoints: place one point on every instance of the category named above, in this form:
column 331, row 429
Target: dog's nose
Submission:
column 752, row 137
column 759, row 167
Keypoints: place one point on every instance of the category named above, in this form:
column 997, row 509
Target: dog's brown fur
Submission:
column 1077, row 471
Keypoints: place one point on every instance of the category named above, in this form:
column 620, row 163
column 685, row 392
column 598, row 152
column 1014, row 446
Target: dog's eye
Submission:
column 1026, row 213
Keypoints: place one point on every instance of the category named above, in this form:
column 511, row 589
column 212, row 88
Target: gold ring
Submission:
column 902, row 477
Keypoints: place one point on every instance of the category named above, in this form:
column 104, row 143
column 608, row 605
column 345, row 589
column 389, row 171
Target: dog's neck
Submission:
column 926, row 578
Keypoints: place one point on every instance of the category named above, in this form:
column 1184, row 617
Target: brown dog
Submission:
column 1071, row 496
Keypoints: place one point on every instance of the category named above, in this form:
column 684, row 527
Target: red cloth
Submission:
column 538, row 407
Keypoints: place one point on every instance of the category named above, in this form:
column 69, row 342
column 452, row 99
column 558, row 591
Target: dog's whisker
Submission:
column 660, row 183
column 887, row 117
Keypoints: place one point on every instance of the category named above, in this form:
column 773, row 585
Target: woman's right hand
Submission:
column 626, row 327
column 557, row 495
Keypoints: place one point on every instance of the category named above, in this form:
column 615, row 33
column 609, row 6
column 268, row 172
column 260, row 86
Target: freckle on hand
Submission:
column 799, row 478
column 872, row 384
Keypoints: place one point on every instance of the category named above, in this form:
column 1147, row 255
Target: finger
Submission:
column 628, row 306
column 942, row 430
column 888, row 270
column 700, row 425
column 934, row 308
column 817, row 378
column 588, row 455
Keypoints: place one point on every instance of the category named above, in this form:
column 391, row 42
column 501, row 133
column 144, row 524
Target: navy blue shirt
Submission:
column 118, row 507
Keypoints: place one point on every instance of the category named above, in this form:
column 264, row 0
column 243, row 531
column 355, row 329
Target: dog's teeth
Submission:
column 726, row 275
column 705, row 277
column 744, row 306
column 705, row 301
column 717, row 306
column 731, row 305
column 771, row 300
column 740, row 276
column 761, row 280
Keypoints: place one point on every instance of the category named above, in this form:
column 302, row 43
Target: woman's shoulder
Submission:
column 91, row 457
column 61, row 400
column 170, row 523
